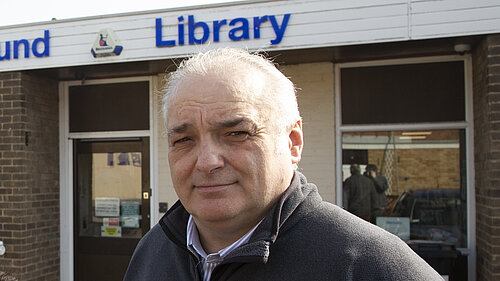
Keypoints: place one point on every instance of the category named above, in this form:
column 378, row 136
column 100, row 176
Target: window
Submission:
column 109, row 107
column 425, row 176
column 409, row 119
column 424, row 92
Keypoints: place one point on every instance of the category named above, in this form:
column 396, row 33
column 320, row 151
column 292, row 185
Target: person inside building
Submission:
column 359, row 194
column 381, row 185
column 245, row 212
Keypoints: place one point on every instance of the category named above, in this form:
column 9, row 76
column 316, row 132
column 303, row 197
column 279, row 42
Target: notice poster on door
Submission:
column 130, row 222
column 107, row 207
column 111, row 231
column 111, row 221
column 130, row 214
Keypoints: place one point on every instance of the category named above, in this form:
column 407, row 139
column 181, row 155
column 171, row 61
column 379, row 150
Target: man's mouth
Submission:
column 213, row 187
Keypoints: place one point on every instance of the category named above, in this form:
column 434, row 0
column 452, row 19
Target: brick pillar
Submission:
column 486, row 79
column 29, row 176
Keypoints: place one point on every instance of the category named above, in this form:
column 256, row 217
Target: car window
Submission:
column 436, row 215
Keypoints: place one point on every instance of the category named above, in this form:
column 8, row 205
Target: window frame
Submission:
column 467, row 125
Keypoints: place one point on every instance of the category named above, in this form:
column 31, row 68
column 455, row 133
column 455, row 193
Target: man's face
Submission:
column 228, row 163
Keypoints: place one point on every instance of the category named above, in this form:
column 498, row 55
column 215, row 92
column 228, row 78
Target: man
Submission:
column 359, row 194
column 381, row 185
column 245, row 213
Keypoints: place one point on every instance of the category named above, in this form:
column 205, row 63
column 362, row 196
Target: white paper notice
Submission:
column 107, row 207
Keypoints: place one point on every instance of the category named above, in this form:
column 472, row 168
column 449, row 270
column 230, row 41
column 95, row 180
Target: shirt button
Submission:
column 214, row 258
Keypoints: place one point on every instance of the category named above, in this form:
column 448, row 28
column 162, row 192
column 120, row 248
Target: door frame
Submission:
column 66, row 204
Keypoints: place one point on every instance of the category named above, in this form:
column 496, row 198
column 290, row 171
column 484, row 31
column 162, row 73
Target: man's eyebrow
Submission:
column 178, row 129
column 235, row 122
column 182, row 128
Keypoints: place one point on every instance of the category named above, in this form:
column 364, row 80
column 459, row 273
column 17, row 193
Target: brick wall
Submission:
column 423, row 168
column 486, row 81
column 29, row 175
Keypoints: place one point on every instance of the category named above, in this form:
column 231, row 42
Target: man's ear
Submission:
column 296, row 142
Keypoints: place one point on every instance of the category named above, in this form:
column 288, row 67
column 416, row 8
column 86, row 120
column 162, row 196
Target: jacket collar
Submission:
column 175, row 220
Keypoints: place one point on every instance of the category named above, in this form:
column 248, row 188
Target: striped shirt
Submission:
column 209, row 262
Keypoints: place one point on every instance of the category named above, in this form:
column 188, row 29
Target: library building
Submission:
column 410, row 88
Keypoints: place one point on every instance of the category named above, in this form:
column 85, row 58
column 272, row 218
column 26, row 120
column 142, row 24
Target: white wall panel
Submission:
column 445, row 29
column 445, row 18
column 316, row 104
column 316, row 23
column 422, row 6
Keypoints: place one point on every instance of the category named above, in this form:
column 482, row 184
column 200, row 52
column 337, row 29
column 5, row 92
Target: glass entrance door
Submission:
column 112, row 205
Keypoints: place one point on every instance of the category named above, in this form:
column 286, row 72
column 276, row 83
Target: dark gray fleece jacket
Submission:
column 301, row 238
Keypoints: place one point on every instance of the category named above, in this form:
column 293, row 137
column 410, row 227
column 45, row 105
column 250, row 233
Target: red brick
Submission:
column 486, row 60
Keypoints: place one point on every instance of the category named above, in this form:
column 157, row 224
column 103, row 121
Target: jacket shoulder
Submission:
column 340, row 243
column 156, row 258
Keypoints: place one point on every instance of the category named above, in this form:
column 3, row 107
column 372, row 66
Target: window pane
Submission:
column 110, row 187
column 109, row 107
column 426, row 181
column 425, row 92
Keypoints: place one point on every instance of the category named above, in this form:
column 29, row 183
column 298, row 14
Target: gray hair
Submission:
column 280, row 90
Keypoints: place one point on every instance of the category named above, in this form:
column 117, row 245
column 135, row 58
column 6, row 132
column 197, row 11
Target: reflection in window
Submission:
column 425, row 177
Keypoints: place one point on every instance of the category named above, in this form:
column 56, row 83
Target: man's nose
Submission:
column 209, row 156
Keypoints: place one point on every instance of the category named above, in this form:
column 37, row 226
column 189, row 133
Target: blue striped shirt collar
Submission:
column 210, row 261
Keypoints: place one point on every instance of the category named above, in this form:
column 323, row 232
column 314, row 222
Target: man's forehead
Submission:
column 210, row 95
column 215, row 101
column 205, row 100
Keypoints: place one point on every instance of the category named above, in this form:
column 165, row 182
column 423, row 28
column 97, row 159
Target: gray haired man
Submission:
column 244, row 212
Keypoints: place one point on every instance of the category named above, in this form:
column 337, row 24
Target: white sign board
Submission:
column 107, row 207
column 259, row 25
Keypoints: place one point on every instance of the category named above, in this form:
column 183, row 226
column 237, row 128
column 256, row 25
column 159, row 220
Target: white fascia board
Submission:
column 284, row 25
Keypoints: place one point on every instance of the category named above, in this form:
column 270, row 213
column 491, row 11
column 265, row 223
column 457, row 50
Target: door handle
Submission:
column 145, row 195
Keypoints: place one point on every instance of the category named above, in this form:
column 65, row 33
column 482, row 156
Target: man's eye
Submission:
column 238, row 135
column 181, row 140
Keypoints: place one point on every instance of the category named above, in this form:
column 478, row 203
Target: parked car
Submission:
column 434, row 214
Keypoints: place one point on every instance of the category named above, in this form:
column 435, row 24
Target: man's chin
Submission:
column 215, row 213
